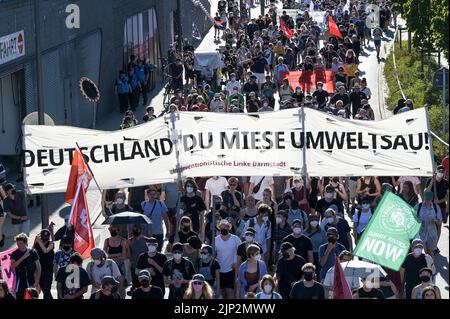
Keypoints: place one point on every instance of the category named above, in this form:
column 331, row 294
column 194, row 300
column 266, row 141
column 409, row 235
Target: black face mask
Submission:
column 224, row 231
column 145, row 283
column 113, row 233
column 425, row 278
column 308, row 276
column 332, row 240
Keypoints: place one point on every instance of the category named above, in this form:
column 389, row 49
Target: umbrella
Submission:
column 127, row 218
column 359, row 268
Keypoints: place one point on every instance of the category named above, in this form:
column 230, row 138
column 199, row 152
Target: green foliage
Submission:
column 418, row 88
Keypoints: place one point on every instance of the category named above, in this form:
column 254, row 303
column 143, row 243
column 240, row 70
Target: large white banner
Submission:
column 231, row 144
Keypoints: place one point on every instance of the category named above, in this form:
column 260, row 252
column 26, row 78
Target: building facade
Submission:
column 109, row 32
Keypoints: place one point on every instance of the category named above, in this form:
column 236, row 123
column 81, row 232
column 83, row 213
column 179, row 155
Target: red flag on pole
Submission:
column 341, row 289
column 78, row 169
column 288, row 33
column 79, row 218
column 333, row 28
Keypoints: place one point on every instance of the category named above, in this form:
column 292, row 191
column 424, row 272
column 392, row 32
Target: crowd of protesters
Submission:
column 250, row 237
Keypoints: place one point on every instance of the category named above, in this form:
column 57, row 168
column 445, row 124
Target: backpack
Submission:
column 420, row 207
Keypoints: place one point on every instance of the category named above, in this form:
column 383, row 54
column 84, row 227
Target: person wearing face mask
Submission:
column 438, row 184
column 250, row 272
column 146, row 291
column 62, row 256
column 361, row 218
column 152, row 261
column 318, row 238
column 308, row 288
column 289, row 269
column 263, row 229
column 99, row 267
column 14, row 205
column 108, row 289
column 177, row 272
column 425, row 275
column 414, row 262
column 302, row 244
column 226, row 249
column 329, row 251
column 369, row 290
column 268, row 286
column 329, row 199
column 194, row 207
column 73, row 267
column 249, row 239
column 45, row 250
column 332, row 220
column 209, row 268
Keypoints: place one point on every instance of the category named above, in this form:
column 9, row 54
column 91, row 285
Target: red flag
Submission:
column 288, row 33
column 78, row 169
column 333, row 28
column 341, row 289
column 79, row 218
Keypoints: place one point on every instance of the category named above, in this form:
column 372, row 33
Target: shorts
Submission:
column 377, row 43
column 227, row 280
column 260, row 78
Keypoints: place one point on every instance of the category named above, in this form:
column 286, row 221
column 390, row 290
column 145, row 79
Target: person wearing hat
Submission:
column 108, row 289
column 209, row 268
column 198, row 288
column 331, row 219
column 302, row 244
column 25, row 263
column 73, row 267
column 425, row 275
column 361, row 218
column 178, row 272
column 44, row 247
column 100, row 267
column 152, row 261
column 14, row 205
column 288, row 269
column 147, row 291
column 414, row 262
column 329, row 251
column 356, row 96
column 226, row 250
column 438, row 184
column 429, row 213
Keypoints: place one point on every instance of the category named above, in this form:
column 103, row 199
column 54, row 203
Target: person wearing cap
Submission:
column 331, row 219
column 302, row 244
column 289, row 269
column 152, row 261
column 146, row 290
column 108, row 290
column 198, row 288
column 425, row 275
column 26, row 265
column 430, row 215
column 14, row 205
column 44, row 247
column 209, row 268
column 413, row 263
column 356, row 96
column 178, row 272
column 226, row 249
column 438, row 184
column 308, row 288
column 369, row 290
column 73, row 267
column 100, row 267
column 361, row 218
column 329, row 251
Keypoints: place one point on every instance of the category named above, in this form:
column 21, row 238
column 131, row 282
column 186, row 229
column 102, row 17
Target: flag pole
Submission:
column 89, row 168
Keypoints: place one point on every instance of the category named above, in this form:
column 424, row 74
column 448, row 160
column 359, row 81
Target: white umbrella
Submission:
column 359, row 268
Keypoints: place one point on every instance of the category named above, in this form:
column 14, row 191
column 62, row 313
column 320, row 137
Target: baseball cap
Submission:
column 285, row 246
column 144, row 274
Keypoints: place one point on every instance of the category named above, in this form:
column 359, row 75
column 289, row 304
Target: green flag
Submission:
column 385, row 240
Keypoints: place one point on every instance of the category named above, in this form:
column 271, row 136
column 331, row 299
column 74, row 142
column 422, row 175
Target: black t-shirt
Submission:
column 194, row 205
column 321, row 96
column 372, row 294
column 154, row 293
column 62, row 275
column 183, row 270
column 46, row 260
column 242, row 250
column 27, row 267
column 157, row 277
column 16, row 206
column 300, row 291
column 412, row 267
column 100, row 295
column 288, row 272
column 302, row 245
column 259, row 65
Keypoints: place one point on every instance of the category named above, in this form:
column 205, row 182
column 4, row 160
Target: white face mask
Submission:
column 267, row 288
column 189, row 189
column 314, row 223
column 279, row 220
column 297, row 230
column 330, row 220
column 265, row 218
column 418, row 251
column 151, row 249
column 249, row 239
column 440, row 175
column 120, row 201
column 177, row 256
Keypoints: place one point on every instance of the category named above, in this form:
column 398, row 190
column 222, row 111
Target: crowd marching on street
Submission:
column 245, row 237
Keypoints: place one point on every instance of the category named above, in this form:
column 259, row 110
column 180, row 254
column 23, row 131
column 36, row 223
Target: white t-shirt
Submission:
column 266, row 183
column 363, row 221
column 109, row 268
column 413, row 179
column 216, row 187
column 226, row 251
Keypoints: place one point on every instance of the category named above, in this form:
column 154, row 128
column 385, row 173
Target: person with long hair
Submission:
column 198, row 288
